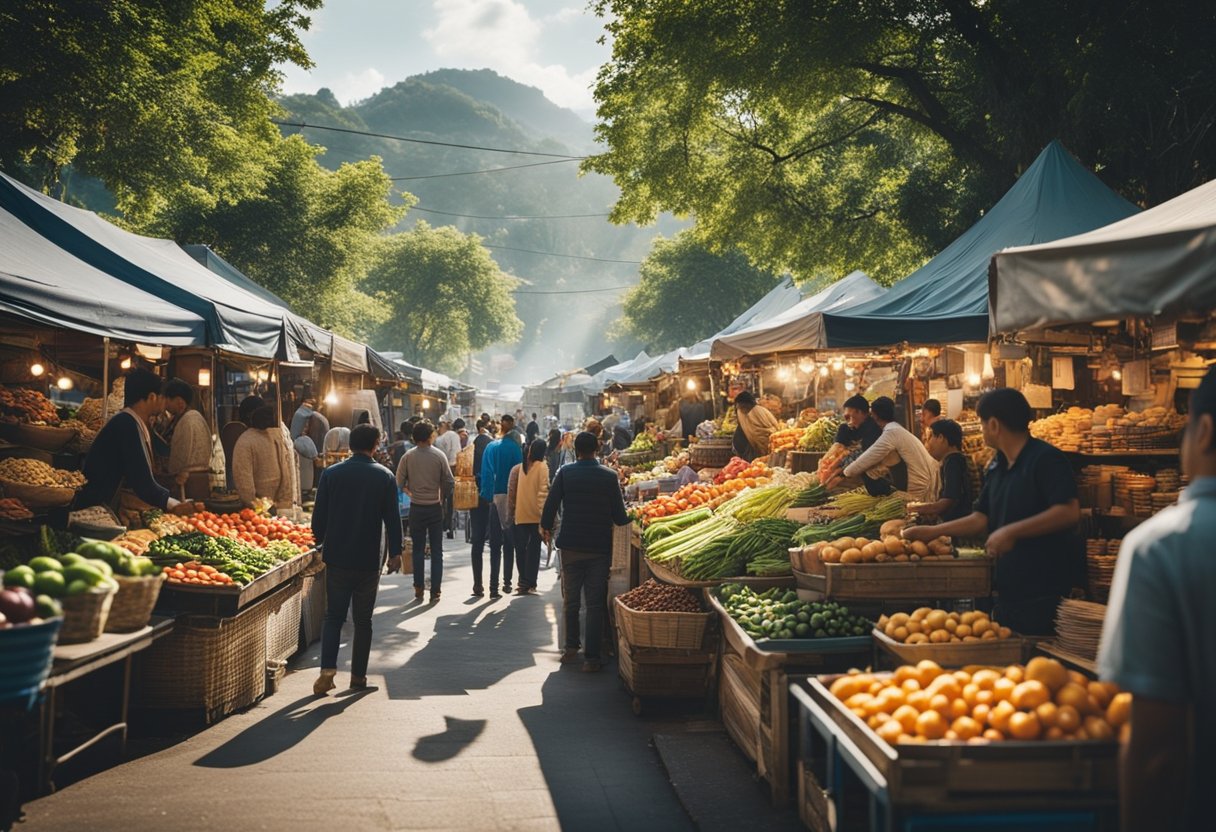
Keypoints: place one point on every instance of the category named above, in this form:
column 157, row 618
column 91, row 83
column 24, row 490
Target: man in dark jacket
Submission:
column 589, row 496
column 356, row 499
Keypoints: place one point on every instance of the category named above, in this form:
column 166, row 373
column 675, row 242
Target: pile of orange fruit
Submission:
column 252, row 528
column 695, row 495
column 1041, row 701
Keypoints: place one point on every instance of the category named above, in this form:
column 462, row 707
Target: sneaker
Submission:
column 592, row 666
column 324, row 683
column 569, row 655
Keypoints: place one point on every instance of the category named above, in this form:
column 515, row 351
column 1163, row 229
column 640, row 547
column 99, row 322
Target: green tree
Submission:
column 308, row 234
column 445, row 296
column 688, row 292
column 825, row 135
column 164, row 102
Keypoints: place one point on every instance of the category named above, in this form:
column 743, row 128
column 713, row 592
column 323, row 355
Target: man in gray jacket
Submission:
column 425, row 475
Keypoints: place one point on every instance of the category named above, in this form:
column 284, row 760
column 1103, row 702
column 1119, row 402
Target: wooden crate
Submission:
column 995, row 652
column 814, row 655
column 669, row 630
column 958, row 578
column 676, row 674
column 962, row 776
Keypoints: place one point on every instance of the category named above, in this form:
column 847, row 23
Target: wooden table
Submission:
column 73, row 662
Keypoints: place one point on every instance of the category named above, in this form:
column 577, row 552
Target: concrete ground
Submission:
column 471, row 723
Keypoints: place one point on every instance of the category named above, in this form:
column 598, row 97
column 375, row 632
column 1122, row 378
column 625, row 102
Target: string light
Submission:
column 204, row 377
column 1117, row 375
column 974, row 380
column 426, row 404
column 849, row 371
column 823, row 371
column 838, row 364
column 64, row 383
column 691, row 384
column 331, row 398
column 37, row 369
column 125, row 363
column 783, row 373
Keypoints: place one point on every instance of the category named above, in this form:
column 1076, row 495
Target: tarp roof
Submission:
column 778, row 299
column 236, row 320
column 41, row 282
column 383, row 368
column 799, row 328
column 1160, row 260
column 946, row 300
column 645, row 371
column 610, row 375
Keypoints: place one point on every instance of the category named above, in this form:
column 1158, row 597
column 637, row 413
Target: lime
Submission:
column 72, row 559
column 86, row 572
column 77, row 588
column 20, row 576
column 45, row 564
column 48, row 607
column 50, row 583
column 101, row 566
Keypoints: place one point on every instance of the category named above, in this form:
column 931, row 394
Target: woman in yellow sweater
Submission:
column 526, row 492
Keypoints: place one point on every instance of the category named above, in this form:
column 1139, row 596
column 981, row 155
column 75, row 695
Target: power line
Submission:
column 486, row 170
column 303, row 125
column 571, row 291
column 509, row 217
column 569, row 256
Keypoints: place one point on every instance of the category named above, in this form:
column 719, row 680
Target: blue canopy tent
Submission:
column 946, row 300
column 236, row 320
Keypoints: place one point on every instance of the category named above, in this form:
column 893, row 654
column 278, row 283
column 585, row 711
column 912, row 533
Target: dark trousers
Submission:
column 449, row 504
column 585, row 575
column 502, row 546
column 479, row 532
column 426, row 522
column 527, row 553
column 353, row 589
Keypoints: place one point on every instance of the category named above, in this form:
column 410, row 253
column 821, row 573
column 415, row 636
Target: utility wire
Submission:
column 569, row 256
column 570, row 291
column 487, row 170
column 303, row 125
column 509, row 217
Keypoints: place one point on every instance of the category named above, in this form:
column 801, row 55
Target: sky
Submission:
column 361, row 46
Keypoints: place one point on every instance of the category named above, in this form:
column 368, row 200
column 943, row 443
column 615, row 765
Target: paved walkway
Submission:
column 472, row 724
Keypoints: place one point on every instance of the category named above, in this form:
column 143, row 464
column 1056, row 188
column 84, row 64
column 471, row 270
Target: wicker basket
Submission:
column 673, row 630
column 283, row 624
column 37, row 496
column 41, row 437
column 465, row 497
column 85, row 615
column 216, row 665
column 133, row 604
column 710, row 453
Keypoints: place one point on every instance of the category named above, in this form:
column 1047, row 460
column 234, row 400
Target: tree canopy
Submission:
column 688, row 292
column 444, row 295
column 823, row 135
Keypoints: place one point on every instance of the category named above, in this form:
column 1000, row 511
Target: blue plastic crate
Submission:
column 26, row 653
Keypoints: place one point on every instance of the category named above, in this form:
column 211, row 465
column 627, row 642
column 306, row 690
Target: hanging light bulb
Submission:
column 806, row 366
column 426, row 404
column 1117, row 375
column 125, row 363
column 988, row 373
column 64, row 383
column 974, row 380
column 838, row 364
column 331, row 399
column 204, row 377
column 823, row 371
column 691, row 384
column 783, row 372
column 36, row 369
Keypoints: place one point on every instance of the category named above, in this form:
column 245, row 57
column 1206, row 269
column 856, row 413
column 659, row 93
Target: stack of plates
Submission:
column 1079, row 627
column 1134, row 493
column 1163, row 499
column 1100, row 558
column 1168, row 479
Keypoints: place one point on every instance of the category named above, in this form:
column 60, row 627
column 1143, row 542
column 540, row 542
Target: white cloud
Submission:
column 503, row 35
column 355, row 86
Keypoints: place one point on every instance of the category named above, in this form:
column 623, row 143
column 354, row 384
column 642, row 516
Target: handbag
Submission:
column 465, row 497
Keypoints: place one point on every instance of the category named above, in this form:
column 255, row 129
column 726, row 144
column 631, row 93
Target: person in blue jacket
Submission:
column 499, row 457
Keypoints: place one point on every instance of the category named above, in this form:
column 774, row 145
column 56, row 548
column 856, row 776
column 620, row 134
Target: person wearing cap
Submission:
column 756, row 425
column 1030, row 511
column 1159, row 643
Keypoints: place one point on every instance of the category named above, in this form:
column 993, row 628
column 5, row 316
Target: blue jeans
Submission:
column 527, row 553
column 479, row 532
column 353, row 589
column 502, row 546
column 427, row 522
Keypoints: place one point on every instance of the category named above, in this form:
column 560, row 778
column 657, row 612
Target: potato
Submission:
column 891, row 527
column 851, row 556
column 901, row 558
column 919, row 548
column 917, row 638
column 861, row 542
column 845, row 543
column 893, row 546
column 830, row 554
column 882, row 557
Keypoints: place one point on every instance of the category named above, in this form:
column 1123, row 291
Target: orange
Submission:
column 1024, row 726
column 959, row 707
column 890, row 730
column 1078, row 678
column 947, row 685
column 931, row 725
column 980, row 714
column 993, row 735
column 1047, row 713
column 985, row 697
column 985, row 678
column 1015, row 672
column 906, row 716
column 1048, row 671
column 927, row 670
column 919, row 700
column 1053, row 733
column 1119, row 711
column 858, row 700
column 910, row 685
column 1003, row 689
column 966, row 728
column 1074, row 695
column 962, row 676
column 1068, row 719
column 1097, row 729
column 999, row 716
column 940, row 703
column 1030, row 695
column 969, row 694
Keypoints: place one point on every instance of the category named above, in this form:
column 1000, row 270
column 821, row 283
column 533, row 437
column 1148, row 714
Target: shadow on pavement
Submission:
column 278, row 732
column 459, row 735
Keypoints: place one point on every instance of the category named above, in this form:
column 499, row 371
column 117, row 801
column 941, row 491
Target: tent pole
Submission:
column 278, row 390
column 105, row 379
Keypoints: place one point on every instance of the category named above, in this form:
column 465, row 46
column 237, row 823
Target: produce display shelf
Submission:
column 994, row 652
column 228, row 600
column 1009, row 775
column 957, row 578
column 667, row 575
column 774, row 653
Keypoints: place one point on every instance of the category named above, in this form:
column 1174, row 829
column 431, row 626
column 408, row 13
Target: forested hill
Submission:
column 485, row 109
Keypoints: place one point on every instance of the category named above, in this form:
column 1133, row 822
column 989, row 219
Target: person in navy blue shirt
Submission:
column 356, row 504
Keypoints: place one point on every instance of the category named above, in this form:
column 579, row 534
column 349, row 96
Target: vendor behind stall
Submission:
column 756, row 425
column 1030, row 511
column 118, row 468
column 853, row 438
column 954, row 497
column 263, row 463
column 189, row 438
column 896, row 445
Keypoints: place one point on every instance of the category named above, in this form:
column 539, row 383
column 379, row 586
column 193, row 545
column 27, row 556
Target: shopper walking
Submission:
column 479, row 519
column 553, row 452
column 424, row 475
column 533, row 431
column 589, row 496
column 499, row 458
column 356, row 504
column 527, row 489
column 447, row 440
